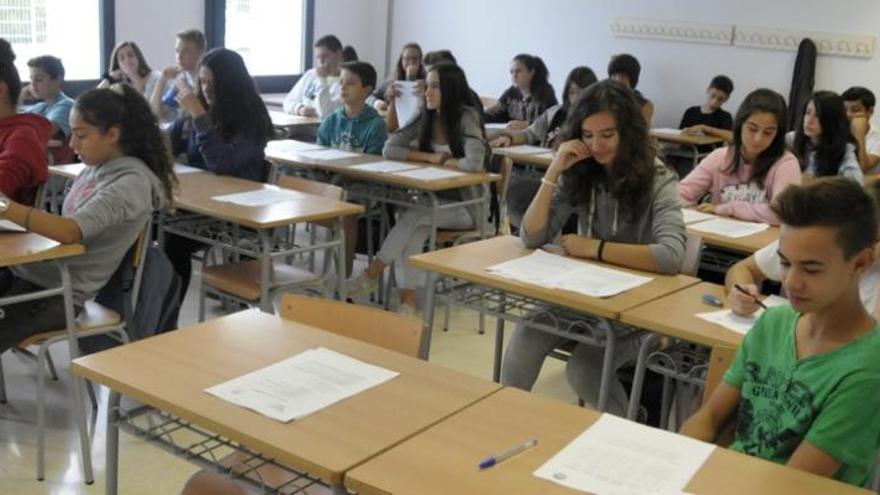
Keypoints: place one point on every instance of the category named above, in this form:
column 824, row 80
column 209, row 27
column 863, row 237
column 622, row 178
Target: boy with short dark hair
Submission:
column 47, row 80
column 804, row 381
column 859, row 103
column 625, row 69
column 709, row 118
column 356, row 126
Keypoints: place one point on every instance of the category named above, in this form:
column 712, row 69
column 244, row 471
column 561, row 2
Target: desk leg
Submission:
column 428, row 325
column 340, row 258
column 499, row 342
column 338, row 489
column 607, row 366
column 265, row 271
column 639, row 377
column 696, row 154
column 78, row 410
column 112, row 468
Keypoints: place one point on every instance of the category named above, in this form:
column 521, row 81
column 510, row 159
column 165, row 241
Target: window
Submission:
column 69, row 29
column 268, row 34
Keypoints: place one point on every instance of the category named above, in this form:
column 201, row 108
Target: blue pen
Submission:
column 495, row 459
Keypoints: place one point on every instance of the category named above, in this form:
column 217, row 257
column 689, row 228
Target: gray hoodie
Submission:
column 110, row 204
column 660, row 225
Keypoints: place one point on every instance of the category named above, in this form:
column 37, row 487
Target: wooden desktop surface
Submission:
column 682, row 138
column 19, row 248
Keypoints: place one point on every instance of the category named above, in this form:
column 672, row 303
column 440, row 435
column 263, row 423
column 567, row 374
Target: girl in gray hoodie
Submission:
column 627, row 203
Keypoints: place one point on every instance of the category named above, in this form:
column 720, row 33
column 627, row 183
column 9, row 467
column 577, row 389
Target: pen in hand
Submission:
column 741, row 289
column 495, row 459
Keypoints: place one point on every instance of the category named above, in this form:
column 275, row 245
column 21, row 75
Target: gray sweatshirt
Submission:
column 110, row 204
column 399, row 144
column 660, row 225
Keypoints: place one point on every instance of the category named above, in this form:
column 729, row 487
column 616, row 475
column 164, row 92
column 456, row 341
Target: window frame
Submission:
column 215, row 34
column 107, row 13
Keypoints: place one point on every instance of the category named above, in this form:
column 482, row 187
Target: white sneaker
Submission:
column 408, row 310
column 362, row 286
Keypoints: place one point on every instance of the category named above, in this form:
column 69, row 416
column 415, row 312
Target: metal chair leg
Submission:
column 51, row 366
column 92, row 397
column 2, row 383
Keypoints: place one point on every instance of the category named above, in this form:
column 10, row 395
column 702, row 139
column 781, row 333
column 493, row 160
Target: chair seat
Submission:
column 92, row 317
column 243, row 279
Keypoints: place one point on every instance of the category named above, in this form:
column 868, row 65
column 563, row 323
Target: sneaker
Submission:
column 408, row 310
column 361, row 286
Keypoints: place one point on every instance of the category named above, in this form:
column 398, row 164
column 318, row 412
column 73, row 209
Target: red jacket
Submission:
column 24, row 164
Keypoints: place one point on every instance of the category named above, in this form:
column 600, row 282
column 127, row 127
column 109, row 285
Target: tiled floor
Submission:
column 145, row 469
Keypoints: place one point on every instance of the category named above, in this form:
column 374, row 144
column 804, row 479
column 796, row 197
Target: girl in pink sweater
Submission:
column 744, row 178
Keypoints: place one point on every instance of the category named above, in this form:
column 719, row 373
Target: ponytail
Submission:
column 8, row 72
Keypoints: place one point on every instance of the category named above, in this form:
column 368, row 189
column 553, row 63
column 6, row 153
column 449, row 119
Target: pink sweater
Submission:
column 733, row 194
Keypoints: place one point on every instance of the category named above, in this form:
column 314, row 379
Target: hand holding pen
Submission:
column 744, row 300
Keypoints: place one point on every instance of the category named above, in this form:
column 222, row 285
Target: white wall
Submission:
column 484, row 35
column 152, row 25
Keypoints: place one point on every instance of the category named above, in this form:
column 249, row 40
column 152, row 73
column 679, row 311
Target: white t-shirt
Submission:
column 767, row 259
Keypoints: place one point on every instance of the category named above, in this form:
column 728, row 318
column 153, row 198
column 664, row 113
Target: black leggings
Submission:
column 22, row 320
column 179, row 251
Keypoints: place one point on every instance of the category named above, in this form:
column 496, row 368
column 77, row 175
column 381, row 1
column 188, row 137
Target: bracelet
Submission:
column 547, row 182
column 27, row 219
column 601, row 249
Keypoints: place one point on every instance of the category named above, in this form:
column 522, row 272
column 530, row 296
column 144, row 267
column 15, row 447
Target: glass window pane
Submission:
column 267, row 33
column 69, row 29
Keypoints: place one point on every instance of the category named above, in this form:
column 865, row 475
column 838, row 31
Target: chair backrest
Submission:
column 692, row 254
column 719, row 360
column 138, row 258
column 312, row 187
column 372, row 325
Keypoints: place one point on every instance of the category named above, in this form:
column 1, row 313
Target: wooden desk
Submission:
column 69, row 171
column 684, row 139
column 444, row 458
column 170, row 372
column 281, row 119
column 539, row 160
column 24, row 248
column 275, row 100
column 744, row 245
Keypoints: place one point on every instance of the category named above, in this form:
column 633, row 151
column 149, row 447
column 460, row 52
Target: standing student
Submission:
column 128, row 177
column 449, row 132
column 529, row 96
column 626, row 199
column 544, row 132
column 409, row 67
column 225, row 131
column 47, row 83
column 189, row 47
column 710, row 118
column 824, row 144
column 23, row 137
column 625, row 69
column 745, row 177
column 128, row 65
column 860, row 103
column 802, row 388
column 316, row 94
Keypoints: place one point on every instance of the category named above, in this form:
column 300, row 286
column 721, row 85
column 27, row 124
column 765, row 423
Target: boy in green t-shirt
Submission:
column 805, row 383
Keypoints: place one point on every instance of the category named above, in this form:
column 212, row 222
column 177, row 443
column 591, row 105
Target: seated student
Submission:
column 431, row 58
column 437, row 56
column 859, row 103
column 625, row 69
column 47, row 82
column 189, row 46
column 802, row 387
column 605, row 169
column 709, row 118
column 129, row 176
column 23, row 137
column 824, row 144
column 316, row 94
column 349, row 54
column 128, row 65
column 544, row 132
column 409, row 67
column 449, row 132
column 225, row 132
column 530, row 95
column 745, row 177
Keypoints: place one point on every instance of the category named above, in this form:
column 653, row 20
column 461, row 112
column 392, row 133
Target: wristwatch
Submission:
column 4, row 204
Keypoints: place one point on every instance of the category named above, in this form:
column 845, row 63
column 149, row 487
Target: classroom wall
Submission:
column 361, row 23
column 485, row 35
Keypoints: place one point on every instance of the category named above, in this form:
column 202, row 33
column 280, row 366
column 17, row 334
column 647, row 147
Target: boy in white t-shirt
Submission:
column 859, row 103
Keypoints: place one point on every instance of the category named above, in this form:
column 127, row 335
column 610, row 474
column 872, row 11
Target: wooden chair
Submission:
column 240, row 281
column 368, row 324
column 94, row 320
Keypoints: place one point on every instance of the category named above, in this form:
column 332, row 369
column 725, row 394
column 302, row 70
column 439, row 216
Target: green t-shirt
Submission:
column 831, row 400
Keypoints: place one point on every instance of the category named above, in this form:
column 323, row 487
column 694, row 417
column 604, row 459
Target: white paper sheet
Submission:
column 385, row 167
column 742, row 324
column 328, row 154
column 429, row 173
column 181, row 169
column 729, row 228
column 619, row 457
column 292, row 146
column 302, row 384
column 268, row 195
column 666, row 130
column 548, row 155
column 408, row 103
column 694, row 216
column 526, row 149
column 559, row 272
column 7, row 226
column 496, row 126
